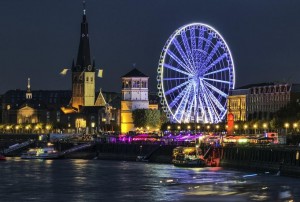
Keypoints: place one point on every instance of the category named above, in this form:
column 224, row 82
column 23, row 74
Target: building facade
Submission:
column 261, row 101
column 236, row 104
column 134, row 96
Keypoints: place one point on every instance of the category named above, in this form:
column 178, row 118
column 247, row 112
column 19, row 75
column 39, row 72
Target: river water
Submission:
column 97, row 180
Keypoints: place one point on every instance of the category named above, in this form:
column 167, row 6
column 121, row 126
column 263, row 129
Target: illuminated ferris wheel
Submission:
column 195, row 74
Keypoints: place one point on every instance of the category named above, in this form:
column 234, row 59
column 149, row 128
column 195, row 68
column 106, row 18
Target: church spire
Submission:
column 83, row 56
column 28, row 85
column 83, row 3
column 28, row 93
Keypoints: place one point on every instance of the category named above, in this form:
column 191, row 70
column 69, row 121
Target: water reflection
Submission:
column 95, row 180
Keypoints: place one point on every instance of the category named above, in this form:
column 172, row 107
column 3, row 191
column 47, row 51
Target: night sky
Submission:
column 40, row 38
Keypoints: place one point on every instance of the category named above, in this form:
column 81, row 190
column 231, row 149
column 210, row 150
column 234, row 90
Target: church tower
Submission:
column 134, row 96
column 83, row 72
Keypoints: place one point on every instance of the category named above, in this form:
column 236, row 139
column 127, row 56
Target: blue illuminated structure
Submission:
column 195, row 74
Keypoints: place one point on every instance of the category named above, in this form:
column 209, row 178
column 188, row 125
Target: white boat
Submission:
column 41, row 153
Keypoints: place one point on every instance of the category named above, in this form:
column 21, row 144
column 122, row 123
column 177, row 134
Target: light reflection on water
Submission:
column 96, row 180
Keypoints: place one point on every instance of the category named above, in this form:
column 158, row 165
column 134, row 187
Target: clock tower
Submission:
column 83, row 72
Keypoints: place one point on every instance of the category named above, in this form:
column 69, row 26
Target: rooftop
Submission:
column 135, row 73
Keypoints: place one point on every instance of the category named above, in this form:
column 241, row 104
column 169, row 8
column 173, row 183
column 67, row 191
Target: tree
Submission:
column 146, row 118
column 289, row 113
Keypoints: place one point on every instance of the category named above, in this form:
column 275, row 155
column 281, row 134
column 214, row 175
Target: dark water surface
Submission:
column 96, row 180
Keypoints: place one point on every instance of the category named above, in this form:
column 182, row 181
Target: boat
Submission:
column 2, row 157
column 41, row 153
column 188, row 157
column 141, row 159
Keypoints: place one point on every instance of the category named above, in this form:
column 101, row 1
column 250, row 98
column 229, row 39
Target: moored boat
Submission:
column 41, row 153
column 187, row 157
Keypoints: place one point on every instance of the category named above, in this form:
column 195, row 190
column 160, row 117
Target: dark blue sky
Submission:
column 39, row 38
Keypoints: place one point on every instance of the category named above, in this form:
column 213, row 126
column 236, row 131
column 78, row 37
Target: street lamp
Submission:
column 245, row 128
column 27, row 128
column 188, row 127
column 208, row 127
column 295, row 126
column 178, row 127
column 265, row 127
column 255, row 127
column 7, row 128
column 236, row 127
column 286, row 125
column 169, row 127
column 17, row 128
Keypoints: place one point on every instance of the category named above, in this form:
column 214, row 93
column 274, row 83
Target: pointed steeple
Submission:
column 83, row 56
column 28, row 85
column 28, row 92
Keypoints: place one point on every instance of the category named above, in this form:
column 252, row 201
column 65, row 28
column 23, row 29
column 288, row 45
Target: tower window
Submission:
column 87, row 78
column 91, row 79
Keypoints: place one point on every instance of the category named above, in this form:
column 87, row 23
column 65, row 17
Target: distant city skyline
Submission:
column 39, row 39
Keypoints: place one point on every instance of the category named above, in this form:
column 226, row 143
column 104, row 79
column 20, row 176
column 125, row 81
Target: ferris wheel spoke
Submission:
column 215, row 100
column 217, row 80
column 180, row 95
column 207, row 44
column 212, row 102
column 197, row 104
column 183, row 55
column 170, row 53
column 189, row 108
column 199, row 99
column 201, row 103
column 186, row 45
column 211, row 54
column 176, row 88
column 193, row 39
column 216, row 89
column 215, row 104
column 216, row 61
column 182, row 105
column 204, row 112
column 200, row 39
column 207, row 104
column 171, row 79
column 192, row 53
column 216, row 117
column 217, row 71
column 177, row 70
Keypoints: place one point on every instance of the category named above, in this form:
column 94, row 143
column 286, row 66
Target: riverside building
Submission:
column 261, row 101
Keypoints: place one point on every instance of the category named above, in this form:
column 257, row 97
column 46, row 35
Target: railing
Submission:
column 16, row 147
column 77, row 148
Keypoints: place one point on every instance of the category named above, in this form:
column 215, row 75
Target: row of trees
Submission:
column 288, row 119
